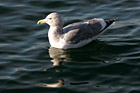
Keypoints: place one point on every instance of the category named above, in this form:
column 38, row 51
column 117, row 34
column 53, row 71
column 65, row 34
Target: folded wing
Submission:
column 74, row 33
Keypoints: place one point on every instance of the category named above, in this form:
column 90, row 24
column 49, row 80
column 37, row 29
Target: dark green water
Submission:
column 109, row 65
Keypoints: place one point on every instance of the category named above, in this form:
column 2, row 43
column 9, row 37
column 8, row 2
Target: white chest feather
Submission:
column 51, row 37
column 55, row 38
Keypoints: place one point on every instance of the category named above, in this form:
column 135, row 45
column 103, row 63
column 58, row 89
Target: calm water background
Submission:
column 109, row 65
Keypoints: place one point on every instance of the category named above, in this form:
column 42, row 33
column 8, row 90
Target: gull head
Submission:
column 53, row 19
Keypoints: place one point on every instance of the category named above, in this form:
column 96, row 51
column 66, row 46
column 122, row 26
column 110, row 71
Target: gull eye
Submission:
column 50, row 18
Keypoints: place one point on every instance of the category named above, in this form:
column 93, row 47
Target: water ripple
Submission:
column 108, row 65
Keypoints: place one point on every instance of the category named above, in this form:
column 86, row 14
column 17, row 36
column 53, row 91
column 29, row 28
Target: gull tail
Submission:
column 110, row 22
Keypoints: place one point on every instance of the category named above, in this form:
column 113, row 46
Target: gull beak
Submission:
column 41, row 21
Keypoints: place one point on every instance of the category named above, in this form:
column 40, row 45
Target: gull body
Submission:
column 74, row 35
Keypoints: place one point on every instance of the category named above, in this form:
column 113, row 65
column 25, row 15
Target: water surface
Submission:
column 28, row 64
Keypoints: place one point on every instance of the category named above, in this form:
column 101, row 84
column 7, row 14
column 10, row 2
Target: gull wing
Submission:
column 74, row 33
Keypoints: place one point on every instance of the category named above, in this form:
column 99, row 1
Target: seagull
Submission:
column 74, row 35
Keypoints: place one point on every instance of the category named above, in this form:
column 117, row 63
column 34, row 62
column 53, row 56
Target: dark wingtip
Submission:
column 110, row 21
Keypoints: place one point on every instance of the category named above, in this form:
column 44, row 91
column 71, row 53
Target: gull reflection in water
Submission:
column 52, row 85
column 58, row 56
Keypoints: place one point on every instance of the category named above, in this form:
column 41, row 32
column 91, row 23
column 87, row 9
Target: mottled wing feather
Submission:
column 74, row 33
column 72, row 26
